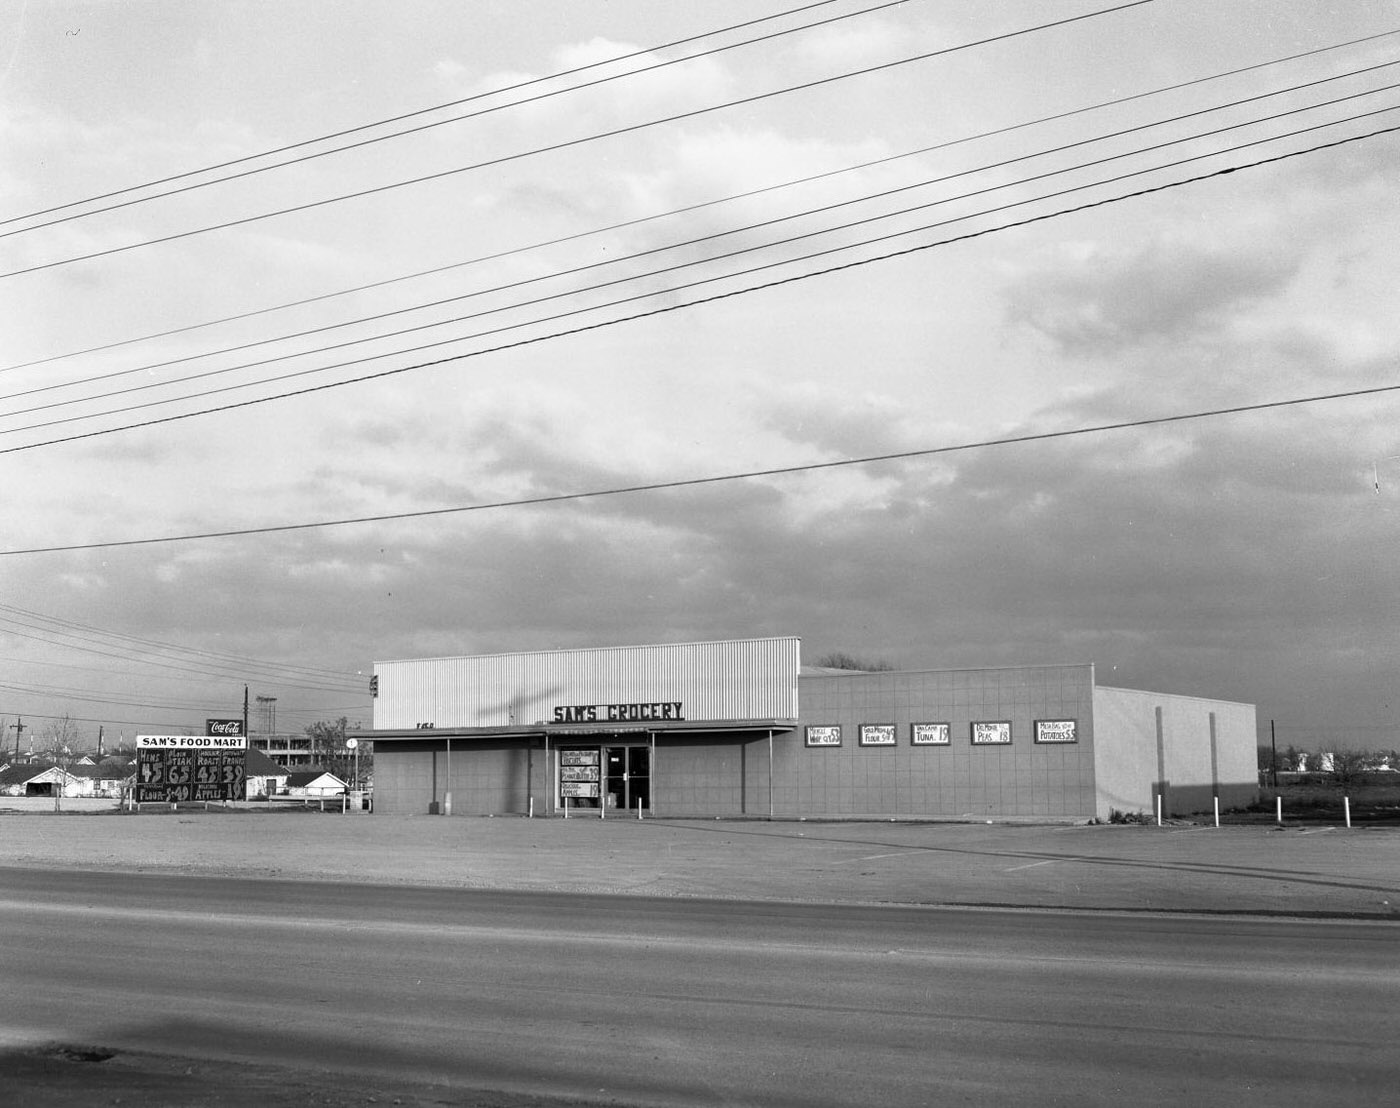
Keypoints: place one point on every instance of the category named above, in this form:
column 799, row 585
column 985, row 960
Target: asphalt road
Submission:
column 698, row 1002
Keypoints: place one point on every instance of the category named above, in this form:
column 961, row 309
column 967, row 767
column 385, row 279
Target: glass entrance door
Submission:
column 628, row 777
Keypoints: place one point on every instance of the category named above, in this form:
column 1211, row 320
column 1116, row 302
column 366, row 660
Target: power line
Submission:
column 517, row 86
column 558, row 274
column 225, row 666
column 66, row 626
column 565, row 145
column 170, row 666
column 672, row 290
column 54, row 692
column 437, row 123
column 103, row 720
column 694, row 482
column 544, row 244
column 164, row 664
column 174, row 726
column 204, row 677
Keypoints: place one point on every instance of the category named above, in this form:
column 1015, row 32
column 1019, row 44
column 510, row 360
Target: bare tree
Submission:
column 1348, row 765
column 58, row 740
column 328, row 749
column 839, row 659
column 59, row 737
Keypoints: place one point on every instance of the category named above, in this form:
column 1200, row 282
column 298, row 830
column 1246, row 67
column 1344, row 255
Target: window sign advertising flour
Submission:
column 877, row 734
column 175, row 768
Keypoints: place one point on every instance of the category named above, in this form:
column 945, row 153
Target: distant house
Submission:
column 114, row 775
column 314, row 783
column 83, row 777
column 263, row 777
column 110, row 777
column 40, row 779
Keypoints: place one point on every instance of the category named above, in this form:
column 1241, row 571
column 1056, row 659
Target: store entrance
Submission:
column 611, row 777
column 628, row 777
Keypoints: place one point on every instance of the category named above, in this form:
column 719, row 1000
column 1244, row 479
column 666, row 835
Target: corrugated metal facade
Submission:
column 739, row 679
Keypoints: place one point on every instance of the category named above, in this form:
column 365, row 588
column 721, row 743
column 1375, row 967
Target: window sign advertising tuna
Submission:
column 991, row 732
column 930, row 734
column 175, row 768
column 877, row 734
column 824, row 735
column 1056, row 731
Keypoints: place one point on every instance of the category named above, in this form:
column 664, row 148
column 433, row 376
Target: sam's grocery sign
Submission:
column 619, row 713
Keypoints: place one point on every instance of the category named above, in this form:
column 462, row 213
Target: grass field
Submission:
column 1370, row 802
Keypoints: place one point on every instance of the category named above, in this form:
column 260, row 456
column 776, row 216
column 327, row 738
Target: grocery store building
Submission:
column 740, row 729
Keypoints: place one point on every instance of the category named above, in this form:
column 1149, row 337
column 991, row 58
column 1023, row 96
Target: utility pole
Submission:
column 19, row 728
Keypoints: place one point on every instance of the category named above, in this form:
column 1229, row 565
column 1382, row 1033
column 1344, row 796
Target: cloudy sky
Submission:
column 625, row 244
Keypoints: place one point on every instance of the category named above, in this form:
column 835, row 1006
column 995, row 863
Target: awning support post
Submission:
column 770, row 775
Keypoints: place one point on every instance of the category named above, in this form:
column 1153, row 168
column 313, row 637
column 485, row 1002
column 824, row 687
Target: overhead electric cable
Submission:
column 53, row 692
column 809, row 467
column 165, row 664
column 133, row 647
column 530, row 341
column 426, row 111
column 574, row 271
column 66, row 626
column 25, row 662
column 564, row 145
column 775, row 471
column 672, row 290
column 1117, row 101
column 102, row 719
column 427, row 126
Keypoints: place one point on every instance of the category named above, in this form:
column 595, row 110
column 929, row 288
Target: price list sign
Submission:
column 579, row 774
column 174, row 768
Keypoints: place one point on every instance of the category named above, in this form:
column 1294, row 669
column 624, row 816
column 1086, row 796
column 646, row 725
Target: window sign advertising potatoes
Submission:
column 1056, row 731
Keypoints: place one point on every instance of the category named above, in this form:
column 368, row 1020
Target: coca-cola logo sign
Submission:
column 223, row 726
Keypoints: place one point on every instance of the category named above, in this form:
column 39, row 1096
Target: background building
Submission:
column 739, row 729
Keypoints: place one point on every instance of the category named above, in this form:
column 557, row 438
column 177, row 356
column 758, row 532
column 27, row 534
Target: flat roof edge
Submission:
column 593, row 649
column 565, row 730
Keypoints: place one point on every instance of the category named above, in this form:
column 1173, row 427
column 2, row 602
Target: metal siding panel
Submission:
column 730, row 680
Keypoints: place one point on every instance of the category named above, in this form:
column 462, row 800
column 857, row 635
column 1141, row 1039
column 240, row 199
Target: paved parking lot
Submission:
column 1313, row 870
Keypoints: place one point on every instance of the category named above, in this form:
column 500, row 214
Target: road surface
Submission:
column 700, row 1002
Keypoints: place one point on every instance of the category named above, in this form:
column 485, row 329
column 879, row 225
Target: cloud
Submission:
column 1105, row 300
column 852, row 43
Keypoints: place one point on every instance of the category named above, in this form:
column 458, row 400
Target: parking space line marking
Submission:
column 1032, row 865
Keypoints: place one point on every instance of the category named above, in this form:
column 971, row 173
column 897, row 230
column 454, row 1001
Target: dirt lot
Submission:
column 1313, row 869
